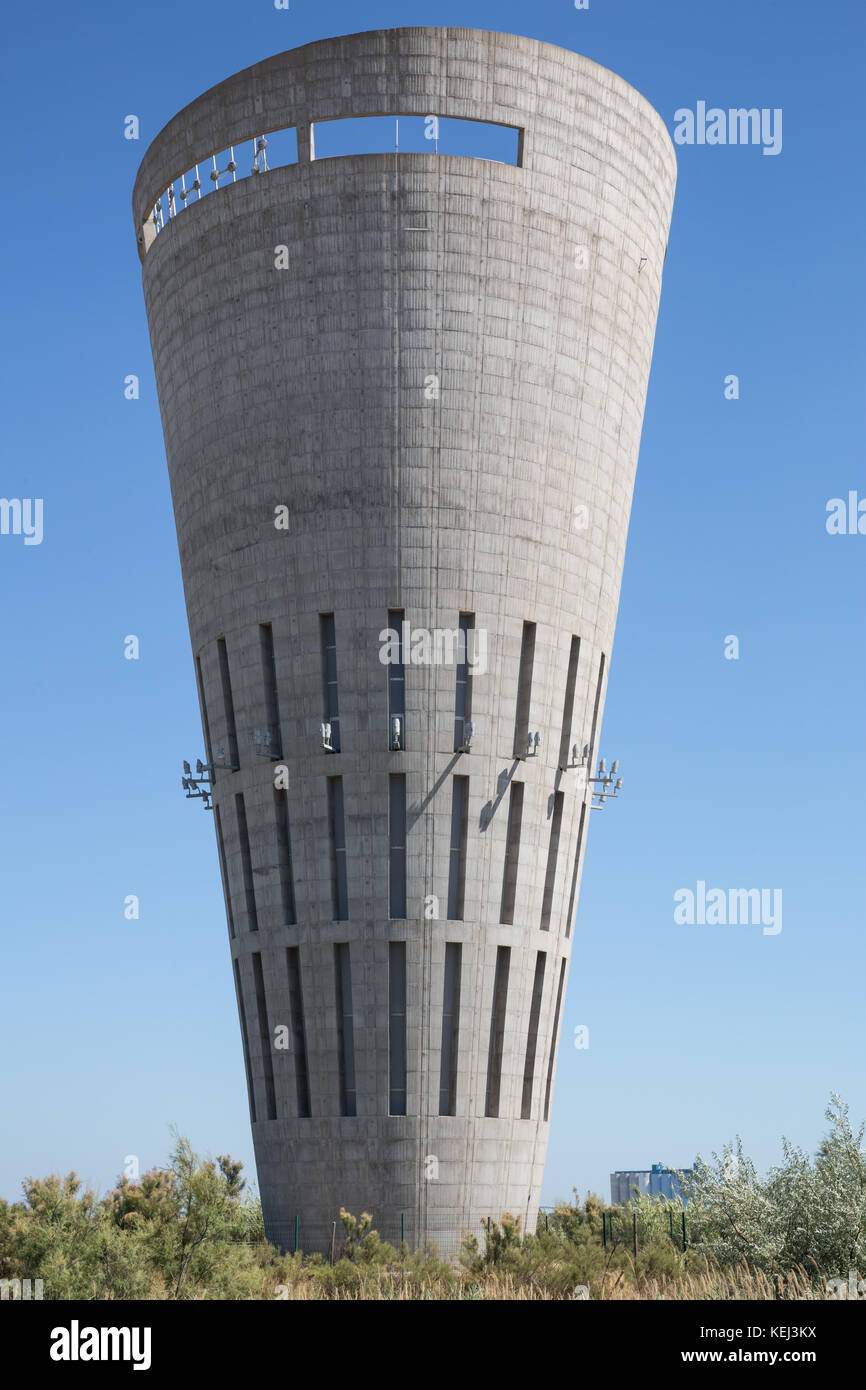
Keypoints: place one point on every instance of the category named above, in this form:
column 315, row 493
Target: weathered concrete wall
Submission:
column 306, row 387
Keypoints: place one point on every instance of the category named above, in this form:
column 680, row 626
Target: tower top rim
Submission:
column 240, row 96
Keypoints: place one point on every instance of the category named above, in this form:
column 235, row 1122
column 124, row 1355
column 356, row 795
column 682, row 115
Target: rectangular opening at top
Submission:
column 417, row 135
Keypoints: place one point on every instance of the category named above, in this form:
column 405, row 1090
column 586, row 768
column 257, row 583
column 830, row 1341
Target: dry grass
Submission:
column 713, row 1284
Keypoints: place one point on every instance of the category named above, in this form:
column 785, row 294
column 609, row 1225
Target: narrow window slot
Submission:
column 552, row 859
column 450, row 1029
column 463, row 695
column 568, row 703
column 299, row 1032
column 497, row 1031
column 337, row 826
column 524, row 690
column 553, row 1038
column 221, row 851
column 512, row 853
column 271, row 689
column 397, row 1026
column 345, row 1029
column 457, row 855
column 569, row 921
column 397, row 844
column 328, row 634
column 284, row 852
column 532, row 1037
column 396, row 683
column 246, row 863
column 242, row 1014
column 205, row 722
column 265, row 1035
column 228, row 704
column 595, row 710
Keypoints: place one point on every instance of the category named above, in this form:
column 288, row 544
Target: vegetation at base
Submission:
column 193, row 1231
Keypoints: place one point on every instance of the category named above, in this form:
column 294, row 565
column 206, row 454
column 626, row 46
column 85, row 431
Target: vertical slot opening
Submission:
column 271, row 689
column 284, row 853
column 396, row 682
column 568, row 703
column 228, row 703
column 246, row 863
column 569, row 921
column 265, row 1035
column 595, row 709
column 221, row 851
column 242, row 1015
column 512, row 853
column 551, row 1061
column 524, row 690
column 552, row 860
column 397, row 844
column 457, row 856
column 328, row 635
column 299, row 1032
column 397, row 1027
column 205, row 722
column 463, row 696
column 337, row 826
column 497, row 1031
column 345, row 1029
column 450, row 1029
column 532, row 1037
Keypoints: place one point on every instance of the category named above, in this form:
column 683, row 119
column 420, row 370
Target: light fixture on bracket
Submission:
column 579, row 759
column 396, row 734
column 219, row 764
column 198, row 786
column 606, row 779
column 267, row 744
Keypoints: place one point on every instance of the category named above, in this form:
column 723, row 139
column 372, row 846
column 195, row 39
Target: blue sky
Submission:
column 745, row 773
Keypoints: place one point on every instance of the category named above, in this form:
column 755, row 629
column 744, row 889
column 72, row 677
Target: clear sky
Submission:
column 738, row 773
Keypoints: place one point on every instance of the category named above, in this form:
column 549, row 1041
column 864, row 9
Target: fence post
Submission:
column 684, row 1231
column 333, row 1240
column 297, row 1231
column 634, row 1232
column 604, row 1229
column 402, row 1228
